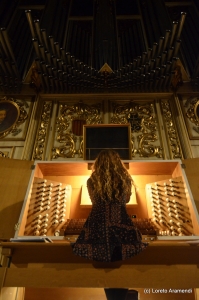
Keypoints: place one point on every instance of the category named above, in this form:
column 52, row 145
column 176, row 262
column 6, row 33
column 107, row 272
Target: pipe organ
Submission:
column 142, row 56
column 69, row 63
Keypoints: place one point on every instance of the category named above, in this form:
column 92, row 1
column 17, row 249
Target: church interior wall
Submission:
column 168, row 123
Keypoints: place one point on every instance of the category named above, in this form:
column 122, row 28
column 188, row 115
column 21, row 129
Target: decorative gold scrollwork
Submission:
column 134, row 151
column 173, row 140
column 39, row 149
column 143, row 127
column 193, row 111
column 146, row 148
column 12, row 115
column 80, row 151
column 190, row 107
column 70, row 128
column 68, row 150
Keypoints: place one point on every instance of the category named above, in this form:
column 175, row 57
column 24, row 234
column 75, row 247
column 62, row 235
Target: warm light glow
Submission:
column 85, row 199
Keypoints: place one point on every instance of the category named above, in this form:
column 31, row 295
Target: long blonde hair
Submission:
column 110, row 178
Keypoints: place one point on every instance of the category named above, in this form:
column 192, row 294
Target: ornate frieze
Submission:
column 41, row 138
column 171, row 132
column 69, row 128
column 145, row 136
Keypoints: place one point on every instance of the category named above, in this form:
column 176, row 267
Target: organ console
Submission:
column 57, row 203
column 168, row 223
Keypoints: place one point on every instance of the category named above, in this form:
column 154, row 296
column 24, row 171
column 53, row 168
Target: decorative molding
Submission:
column 171, row 132
column 69, row 128
column 15, row 116
column 9, row 151
column 41, row 138
column 36, row 108
column 196, row 129
column 193, row 111
column 35, row 79
column 145, row 137
column 187, row 102
column 4, row 154
column 190, row 108
column 177, row 78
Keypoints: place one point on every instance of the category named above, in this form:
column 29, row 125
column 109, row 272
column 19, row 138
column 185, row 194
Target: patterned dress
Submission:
column 108, row 233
